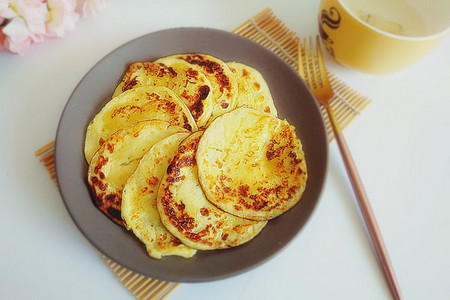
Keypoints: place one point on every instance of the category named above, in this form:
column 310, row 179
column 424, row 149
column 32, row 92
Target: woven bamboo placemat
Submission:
column 264, row 28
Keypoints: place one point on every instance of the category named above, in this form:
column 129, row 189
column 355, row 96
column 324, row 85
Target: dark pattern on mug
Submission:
column 332, row 20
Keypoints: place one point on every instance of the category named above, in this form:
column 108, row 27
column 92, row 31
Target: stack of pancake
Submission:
column 189, row 154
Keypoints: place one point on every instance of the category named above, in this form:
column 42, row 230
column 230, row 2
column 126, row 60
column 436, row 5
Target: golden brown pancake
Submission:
column 251, row 164
column 137, row 104
column 139, row 209
column 253, row 89
column 187, row 82
column 223, row 82
column 118, row 158
column 188, row 215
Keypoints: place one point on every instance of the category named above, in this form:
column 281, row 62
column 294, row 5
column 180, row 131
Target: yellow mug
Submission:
column 382, row 36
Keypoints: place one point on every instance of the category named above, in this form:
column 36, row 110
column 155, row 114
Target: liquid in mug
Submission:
column 397, row 17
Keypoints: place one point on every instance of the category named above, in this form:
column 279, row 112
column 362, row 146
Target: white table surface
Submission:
column 400, row 143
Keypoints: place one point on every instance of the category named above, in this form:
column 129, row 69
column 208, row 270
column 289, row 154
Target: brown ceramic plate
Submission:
column 293, row 101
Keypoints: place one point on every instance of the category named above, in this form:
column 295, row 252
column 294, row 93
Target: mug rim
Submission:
column 391, row 35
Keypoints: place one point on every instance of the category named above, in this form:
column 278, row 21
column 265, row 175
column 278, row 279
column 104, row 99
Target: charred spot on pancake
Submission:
column 110, row 148
column 224, row 82
column 294, row 162
column 150, row 68
column 224, row 236
column 170, row 168
column 172, row 72
column 187, row 161
column 204, row 211
column 98, row 200
column 129, row 84
column 210, row 67
column 199, row 60
column 125, row 111
column 192, row 74
column 115, row 199
column 258, row 205
column 243, row 190
column 203, row 92
column 153, row 96
column 115, row 213
column 152, row 181
column 273, row 152
column 174, row 168
column 224, row 104
column 181, row 221
column 182, row 149
column 187, row 127
column 166, row 71
column 294, row 157
column 171, row 108
column 196, row 106
column 98, row 183
column 109, row 204
column 195, row 102
column 283, row 192
column 97, row 169
column 101, row 141
column 181, row 206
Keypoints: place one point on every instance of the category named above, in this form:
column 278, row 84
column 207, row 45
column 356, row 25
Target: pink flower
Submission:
column 16, row 36
column 25, row 24
column 6, row 10
column 34, row 13
column 61, row 18
column 88, row 8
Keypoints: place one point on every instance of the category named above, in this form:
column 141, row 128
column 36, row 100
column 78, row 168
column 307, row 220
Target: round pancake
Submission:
column 138, row 104
column 188, row 83
column 223, row 82
column 139, row 209
column 251, row 164
column 188, row 215
column 118, row 158
column 253, row 89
